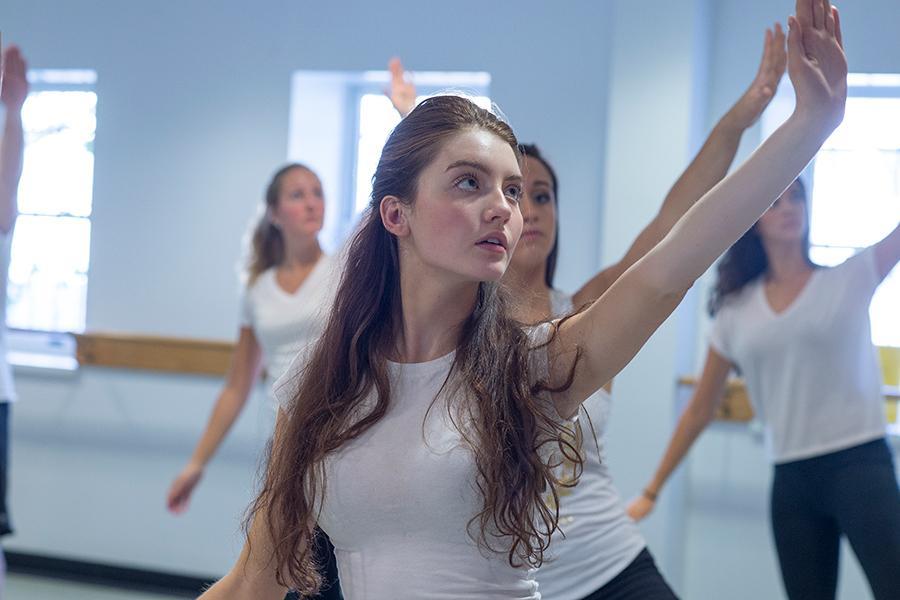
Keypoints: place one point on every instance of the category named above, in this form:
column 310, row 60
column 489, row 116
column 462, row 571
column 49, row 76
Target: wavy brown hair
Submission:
column 267, row 242
column 510, row 423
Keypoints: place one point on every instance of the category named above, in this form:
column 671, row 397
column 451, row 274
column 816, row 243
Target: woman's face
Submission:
column 465, row 220
column 539, row 212
column 786, row 220
column 300, row 209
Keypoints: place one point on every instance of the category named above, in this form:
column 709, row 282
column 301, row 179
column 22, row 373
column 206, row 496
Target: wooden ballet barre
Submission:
column 173, row 355
column 736, row 404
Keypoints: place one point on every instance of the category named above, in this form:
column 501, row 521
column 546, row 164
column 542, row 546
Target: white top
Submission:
column 600, row 538
column 399, row 498
column 7, row 389
column 284, row 323
column 811, row 371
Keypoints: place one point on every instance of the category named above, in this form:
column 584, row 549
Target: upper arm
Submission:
column 887, row 253
column 597, row 286
column 606, row 336
column 245, row 362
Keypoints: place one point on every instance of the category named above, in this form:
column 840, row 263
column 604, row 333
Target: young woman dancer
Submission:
column 290, row 283
column 602, row 553
column 13, row 92
column 421, row 429
column 801, row 337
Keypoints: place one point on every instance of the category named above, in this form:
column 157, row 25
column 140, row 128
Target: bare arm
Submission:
column 244, row 369
column 708, row 167
column 696, row 417
column 617, row 325
column 253, row 575
column 887, row 252
column 13, row 93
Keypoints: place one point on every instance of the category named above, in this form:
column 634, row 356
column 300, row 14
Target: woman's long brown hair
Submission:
column 509, row 422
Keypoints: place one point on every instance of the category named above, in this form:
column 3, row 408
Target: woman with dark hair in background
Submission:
column 599, row 549
column 800, row 336
column 420, row 431
column 290, row 283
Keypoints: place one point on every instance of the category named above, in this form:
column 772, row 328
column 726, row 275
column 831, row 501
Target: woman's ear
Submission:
column 271, row 218
column 394, row 215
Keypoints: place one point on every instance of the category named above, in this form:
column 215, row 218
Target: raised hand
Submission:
column 816, row 63
column 14, row 88
column 750, row 106
column 402, row 91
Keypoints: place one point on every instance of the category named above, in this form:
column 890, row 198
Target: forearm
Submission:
column 11, row 152
column 733, row 206
column 707, row 169
column 690, row 426
column 225, row 412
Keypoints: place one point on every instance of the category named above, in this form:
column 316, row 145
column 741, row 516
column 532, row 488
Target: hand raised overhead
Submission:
column 402, row 91
column 817, row 64
column 750, row 106
column 14, row 87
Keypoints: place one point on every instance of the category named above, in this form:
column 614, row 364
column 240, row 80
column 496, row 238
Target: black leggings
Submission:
column 815, row 501
column 640, row 580
column 331, row 587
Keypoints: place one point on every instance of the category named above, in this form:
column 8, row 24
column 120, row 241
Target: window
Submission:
column 855, row 191
column 339, row 123
column 47, row 286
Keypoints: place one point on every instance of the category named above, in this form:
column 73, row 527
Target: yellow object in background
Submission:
column 890, row 365
column 890, row 372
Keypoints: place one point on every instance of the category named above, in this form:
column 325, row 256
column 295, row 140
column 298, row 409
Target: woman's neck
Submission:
column 787, row 261
column 301, row 253
column 433, row 311
column 530, row 294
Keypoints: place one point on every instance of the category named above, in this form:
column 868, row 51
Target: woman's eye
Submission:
column 542, row 198
column 467, row 183
column 514, row 193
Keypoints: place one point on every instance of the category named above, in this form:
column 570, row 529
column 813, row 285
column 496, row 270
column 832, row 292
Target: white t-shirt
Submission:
column 600, row 538
column 399, row 498
column 811, row 371
column 7, row 389
column 284, row 323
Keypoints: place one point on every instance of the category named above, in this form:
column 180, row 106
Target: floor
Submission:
column 27, row 587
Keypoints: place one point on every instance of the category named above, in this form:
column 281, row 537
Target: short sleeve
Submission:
column 720, row 334
column 858, row 276
column 286, row 387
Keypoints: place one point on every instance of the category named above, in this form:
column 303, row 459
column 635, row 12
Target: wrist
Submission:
column 650, row 493
column 732, row 124
column 196, row 464
column 816, row 126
